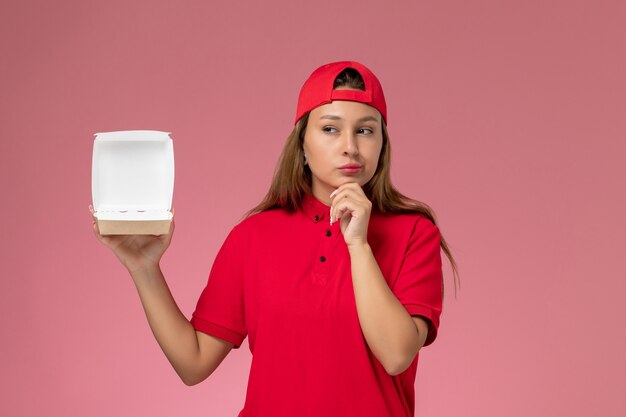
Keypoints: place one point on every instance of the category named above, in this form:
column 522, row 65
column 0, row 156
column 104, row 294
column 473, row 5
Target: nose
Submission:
column 351, row 146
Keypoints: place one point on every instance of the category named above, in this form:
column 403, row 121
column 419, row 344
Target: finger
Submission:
column 353, row 200
column 338, row 199
column 172, row 227
column 355, row 207
column 347, row 191
column 94, row 227
column 342, row 189
column 168, row 236
column 96, row 231
column 342, row 212
column 339, row 210
column 348, row 186
column 346, row 195
column 91, row 210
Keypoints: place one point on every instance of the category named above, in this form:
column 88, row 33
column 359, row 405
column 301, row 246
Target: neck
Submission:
column 323, row 194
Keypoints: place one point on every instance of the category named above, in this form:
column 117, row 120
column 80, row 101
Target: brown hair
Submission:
column 292, row 178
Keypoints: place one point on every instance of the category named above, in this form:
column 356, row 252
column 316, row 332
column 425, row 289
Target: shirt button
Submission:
column 323, row 258
column 316, row 218
column 328, row 233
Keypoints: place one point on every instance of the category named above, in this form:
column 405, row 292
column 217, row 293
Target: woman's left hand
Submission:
column 350, row 206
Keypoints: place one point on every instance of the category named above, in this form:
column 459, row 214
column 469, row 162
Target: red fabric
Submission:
column 318, row 89
column 309, row 356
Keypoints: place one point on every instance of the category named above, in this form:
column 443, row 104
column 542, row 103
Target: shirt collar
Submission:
column 314, row 209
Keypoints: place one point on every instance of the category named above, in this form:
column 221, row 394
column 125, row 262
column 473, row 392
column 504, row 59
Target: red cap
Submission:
column 318, row 89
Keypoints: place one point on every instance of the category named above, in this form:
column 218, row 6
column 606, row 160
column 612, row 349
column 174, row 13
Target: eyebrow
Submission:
column 362, row 119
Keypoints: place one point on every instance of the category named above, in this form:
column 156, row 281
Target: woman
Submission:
column 335, row 277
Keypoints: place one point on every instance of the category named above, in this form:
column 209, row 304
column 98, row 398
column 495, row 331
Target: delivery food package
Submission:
column 132, row 182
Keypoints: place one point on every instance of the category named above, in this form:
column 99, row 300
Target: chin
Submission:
column 358, row 180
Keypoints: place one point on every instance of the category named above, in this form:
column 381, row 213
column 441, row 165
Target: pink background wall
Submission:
column 507, row 117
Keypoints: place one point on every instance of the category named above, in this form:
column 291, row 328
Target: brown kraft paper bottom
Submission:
column 134, row 227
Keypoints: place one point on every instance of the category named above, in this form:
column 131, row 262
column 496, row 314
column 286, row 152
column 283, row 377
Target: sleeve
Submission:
column 419, row 284
column 220, row 308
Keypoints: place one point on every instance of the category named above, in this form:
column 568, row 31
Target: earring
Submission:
column 305, row 161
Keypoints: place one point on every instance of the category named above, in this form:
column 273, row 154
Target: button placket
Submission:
column 325, row 254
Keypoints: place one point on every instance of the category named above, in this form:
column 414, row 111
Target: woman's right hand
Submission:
column 135, row 251
column 193, row 354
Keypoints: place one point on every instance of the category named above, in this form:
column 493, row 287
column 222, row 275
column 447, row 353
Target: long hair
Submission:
column 293, row 179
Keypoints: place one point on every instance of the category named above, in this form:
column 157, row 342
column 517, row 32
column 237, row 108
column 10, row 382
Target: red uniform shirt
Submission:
column 284, row 280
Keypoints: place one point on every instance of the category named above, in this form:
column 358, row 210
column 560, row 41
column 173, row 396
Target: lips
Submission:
column 350, row 166
column 350, row 169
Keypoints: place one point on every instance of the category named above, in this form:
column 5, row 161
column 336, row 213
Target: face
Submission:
column 337, row 134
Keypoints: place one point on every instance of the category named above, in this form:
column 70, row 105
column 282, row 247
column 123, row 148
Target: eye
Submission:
column 366, row 131
column 329, row 129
